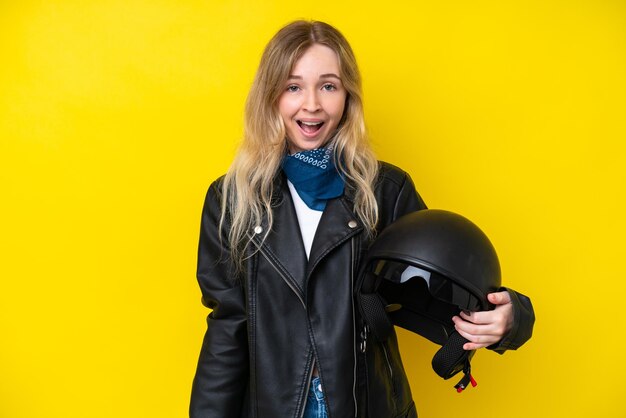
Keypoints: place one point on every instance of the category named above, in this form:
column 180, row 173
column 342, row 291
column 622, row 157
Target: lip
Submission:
column 310, row 134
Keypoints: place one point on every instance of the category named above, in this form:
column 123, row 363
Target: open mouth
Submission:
column 310, row 127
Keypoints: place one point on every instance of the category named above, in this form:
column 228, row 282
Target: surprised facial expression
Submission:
column 313, row 99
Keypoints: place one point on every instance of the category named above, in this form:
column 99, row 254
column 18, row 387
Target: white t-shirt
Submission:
column 308, row 219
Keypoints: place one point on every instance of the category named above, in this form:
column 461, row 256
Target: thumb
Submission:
column 499, row 298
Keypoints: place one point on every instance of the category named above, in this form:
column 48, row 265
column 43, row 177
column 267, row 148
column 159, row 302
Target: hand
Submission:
column 485, row 328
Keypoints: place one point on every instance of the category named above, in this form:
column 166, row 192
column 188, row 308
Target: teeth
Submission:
column 311, row 123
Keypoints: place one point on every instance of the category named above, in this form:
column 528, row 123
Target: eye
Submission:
column 292, row 88
column 329, row 87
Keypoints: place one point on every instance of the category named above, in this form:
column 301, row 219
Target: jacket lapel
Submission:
column 337, row 225
column 284, row 242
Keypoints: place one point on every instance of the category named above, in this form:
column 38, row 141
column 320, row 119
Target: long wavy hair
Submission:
column 248, row 185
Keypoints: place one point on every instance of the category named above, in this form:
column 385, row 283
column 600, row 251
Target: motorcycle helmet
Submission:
column 422, row 270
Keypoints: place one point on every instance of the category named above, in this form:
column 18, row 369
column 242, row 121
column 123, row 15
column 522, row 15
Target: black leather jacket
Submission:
column 283, row 314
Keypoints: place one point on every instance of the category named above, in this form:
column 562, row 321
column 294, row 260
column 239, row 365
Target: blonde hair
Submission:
column 248, row 185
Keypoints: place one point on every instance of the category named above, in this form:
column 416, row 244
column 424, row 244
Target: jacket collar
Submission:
column 284, row 243
column 337, row 225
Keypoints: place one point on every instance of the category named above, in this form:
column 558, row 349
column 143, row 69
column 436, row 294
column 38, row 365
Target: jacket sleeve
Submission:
column 523, row 322
column 221, row 379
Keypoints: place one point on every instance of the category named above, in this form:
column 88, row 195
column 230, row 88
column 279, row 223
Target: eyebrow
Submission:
column 327, row 75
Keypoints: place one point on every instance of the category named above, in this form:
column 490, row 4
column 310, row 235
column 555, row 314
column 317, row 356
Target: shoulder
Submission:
column 213, row 199
column 389, row 173
column 215, row 191
column 395, row 193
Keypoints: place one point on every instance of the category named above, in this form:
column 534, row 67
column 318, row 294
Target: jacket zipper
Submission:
column 388, row 362
column 297, row 293
column 308, row 386
column 295, row 290
column 352, row 260
column 282, row 275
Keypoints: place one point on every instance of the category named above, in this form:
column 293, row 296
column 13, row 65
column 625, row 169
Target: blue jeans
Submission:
column 315, row 403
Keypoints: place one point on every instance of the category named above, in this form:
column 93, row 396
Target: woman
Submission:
column 283, row 235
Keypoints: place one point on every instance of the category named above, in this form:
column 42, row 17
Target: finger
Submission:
column 470, row 328
column 480, row 318
column 477, row 341
column 465, row 315
column 486, row 339
column 499, row 298
column 473, row 346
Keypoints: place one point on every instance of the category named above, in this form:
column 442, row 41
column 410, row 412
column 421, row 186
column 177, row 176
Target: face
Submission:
column 313, row 99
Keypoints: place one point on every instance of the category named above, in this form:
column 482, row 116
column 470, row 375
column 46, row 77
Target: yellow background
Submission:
column 115, row 115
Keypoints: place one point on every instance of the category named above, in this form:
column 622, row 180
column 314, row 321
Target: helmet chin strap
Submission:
column 451, row 358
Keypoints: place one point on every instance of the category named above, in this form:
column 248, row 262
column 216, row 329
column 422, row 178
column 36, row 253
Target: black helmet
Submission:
column 425, row 268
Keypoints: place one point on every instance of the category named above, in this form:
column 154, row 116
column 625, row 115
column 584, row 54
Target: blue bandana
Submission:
column 314, row 176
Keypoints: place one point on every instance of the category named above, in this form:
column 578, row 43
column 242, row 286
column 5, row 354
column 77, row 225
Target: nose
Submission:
column 311, row 101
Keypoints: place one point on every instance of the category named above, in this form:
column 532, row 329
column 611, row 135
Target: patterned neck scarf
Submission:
column 314, row 176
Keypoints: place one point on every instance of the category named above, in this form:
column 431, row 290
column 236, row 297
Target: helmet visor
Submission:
column 438, row 285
